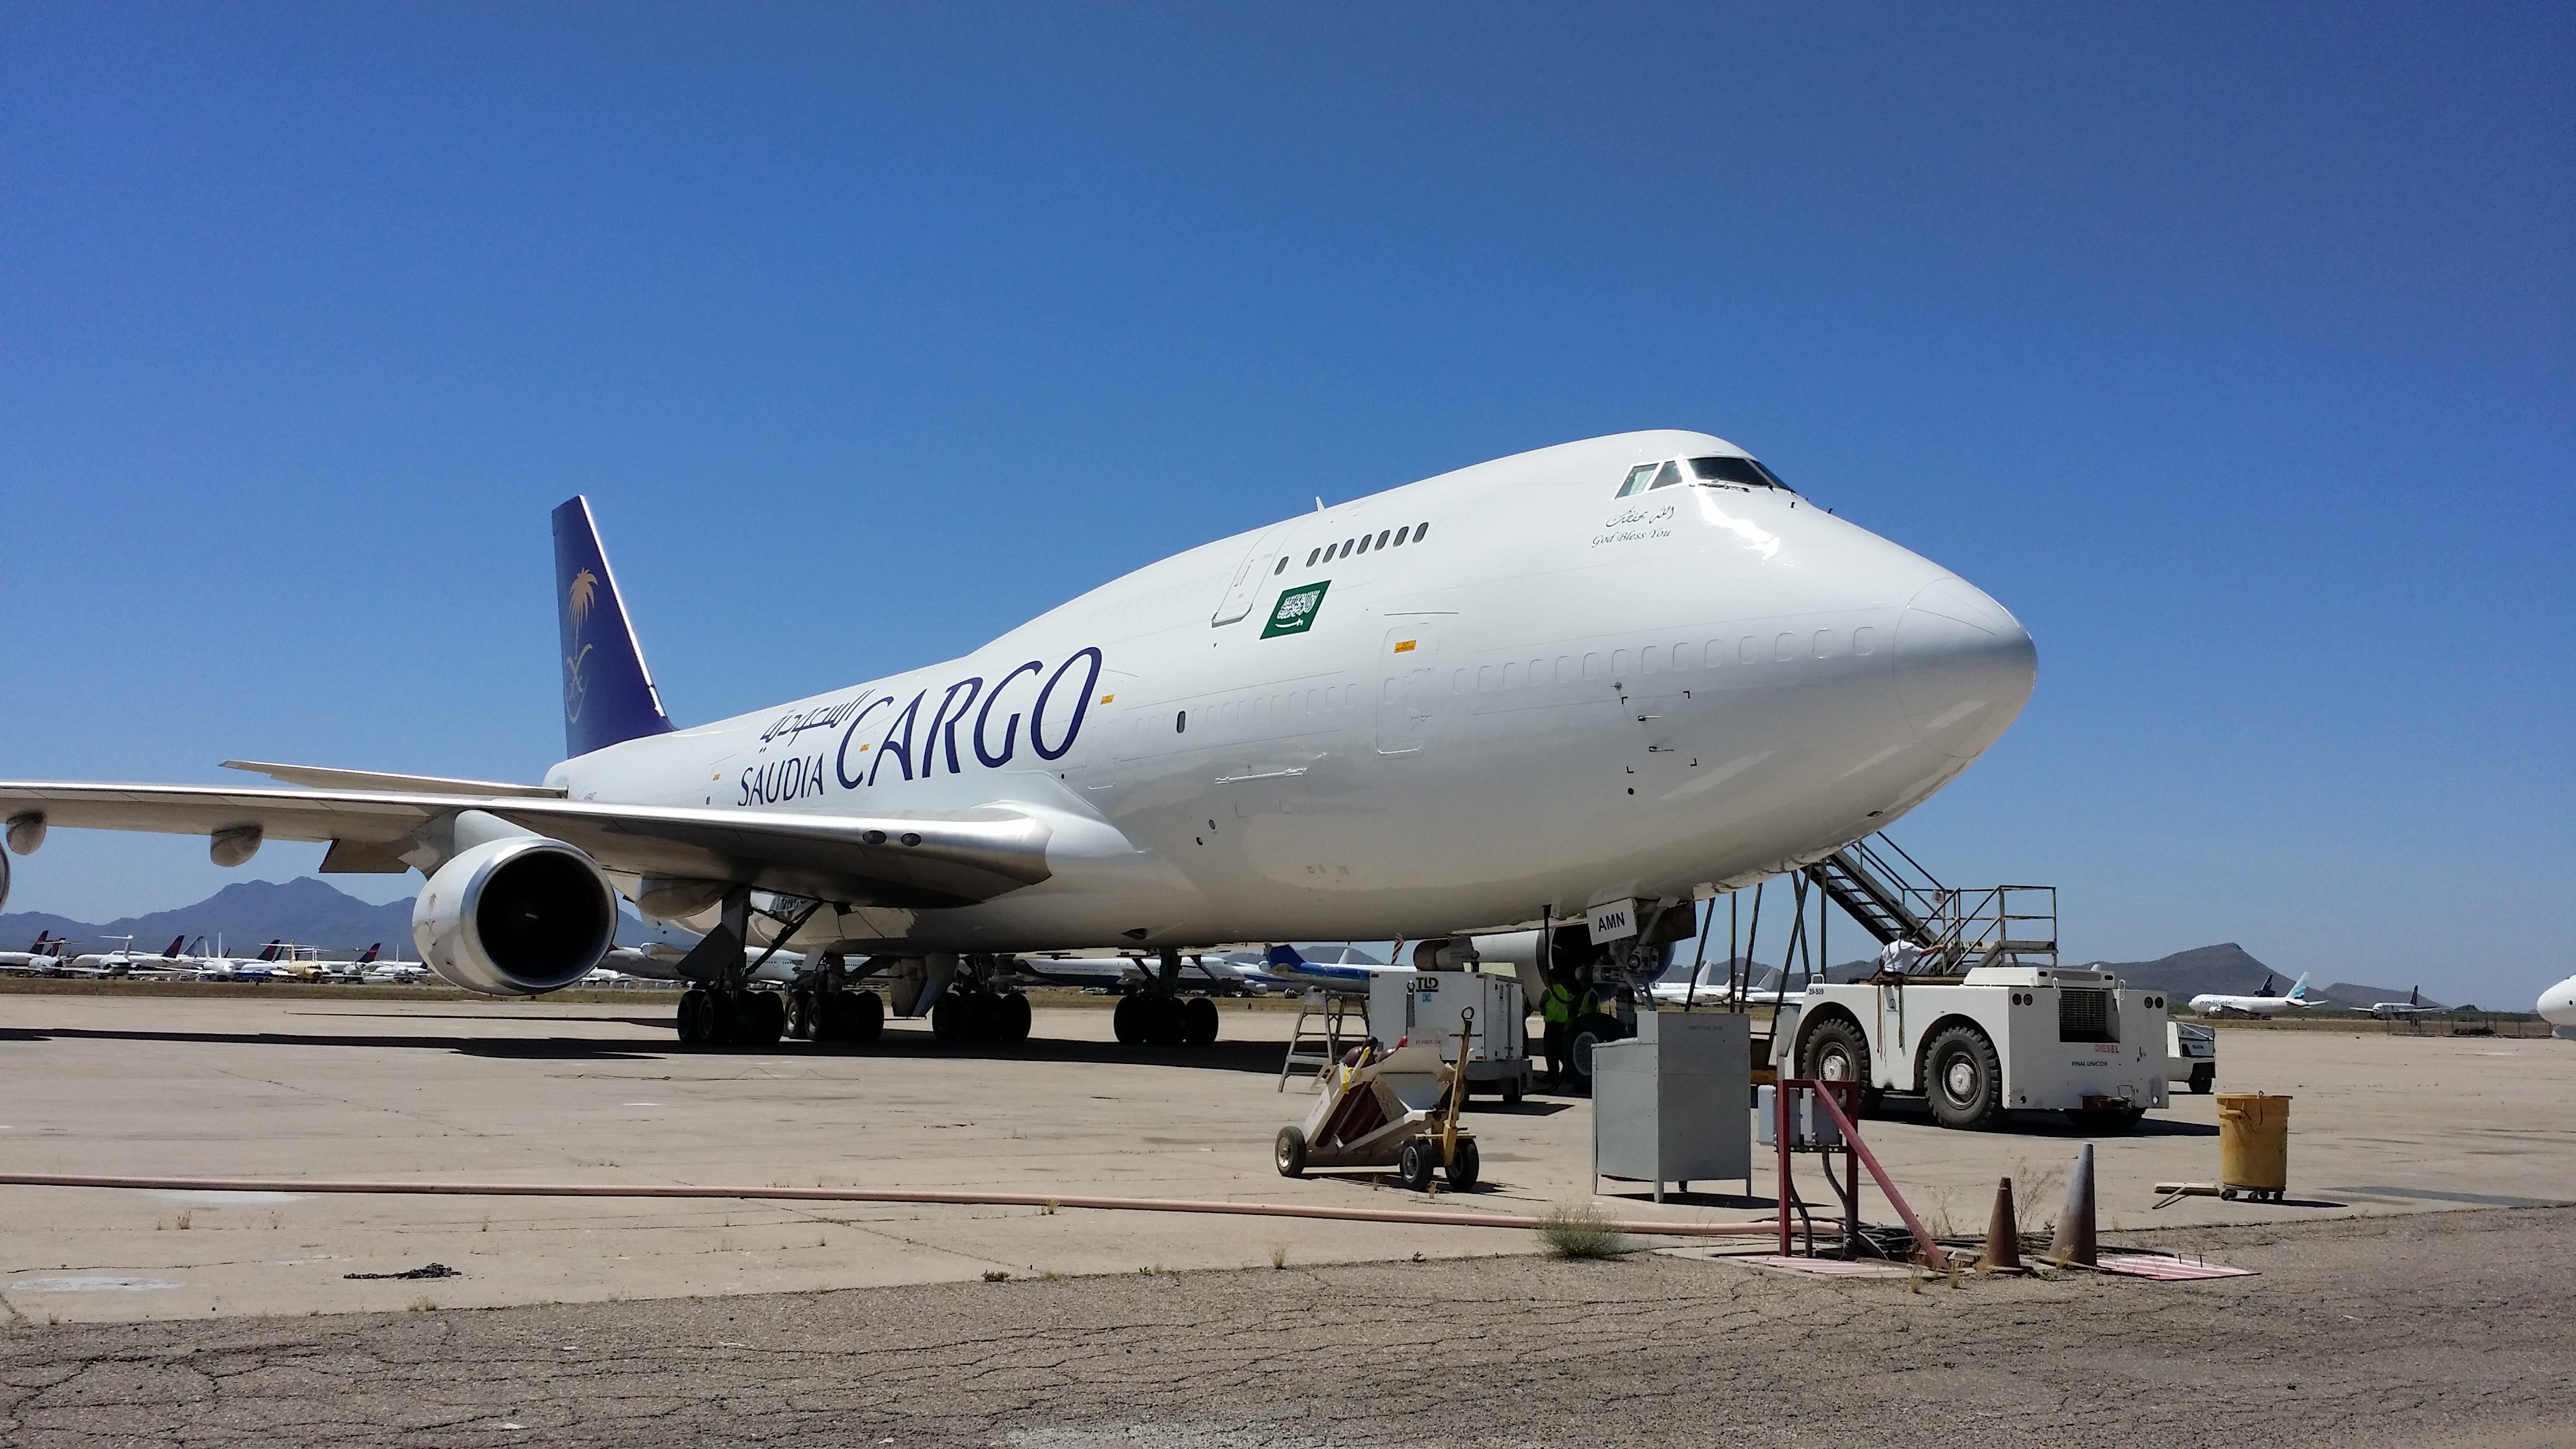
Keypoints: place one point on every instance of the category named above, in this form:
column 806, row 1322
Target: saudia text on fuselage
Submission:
column 917, row 750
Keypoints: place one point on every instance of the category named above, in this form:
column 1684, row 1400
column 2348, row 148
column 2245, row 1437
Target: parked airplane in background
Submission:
column 2558, row 1007
column 1602, row 675
column 1343, row 970
column 44, row 951
column 2413, row 1005
column 1119, row 971
column 2219, row 1004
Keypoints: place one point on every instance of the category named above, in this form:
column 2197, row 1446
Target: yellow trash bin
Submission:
column 2253, row 1144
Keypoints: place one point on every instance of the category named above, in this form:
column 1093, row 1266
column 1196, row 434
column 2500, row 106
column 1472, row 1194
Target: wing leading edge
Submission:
column 858, row 860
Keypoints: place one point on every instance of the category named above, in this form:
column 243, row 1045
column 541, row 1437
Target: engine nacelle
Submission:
column 515, row 917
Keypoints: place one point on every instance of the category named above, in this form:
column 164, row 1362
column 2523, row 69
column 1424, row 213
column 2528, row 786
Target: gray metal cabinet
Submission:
column 1669, row 1104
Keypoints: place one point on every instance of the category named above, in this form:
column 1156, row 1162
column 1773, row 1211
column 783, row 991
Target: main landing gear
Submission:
column 979, row 1015
column 1159, row 1016
column 718, row 1016
column 826, row 1015
column 1145, row 1019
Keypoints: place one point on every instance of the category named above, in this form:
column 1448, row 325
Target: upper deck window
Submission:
column 1743, row 471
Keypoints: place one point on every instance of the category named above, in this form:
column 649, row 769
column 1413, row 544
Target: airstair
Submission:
column 1314, row 1045
column 1894, row 899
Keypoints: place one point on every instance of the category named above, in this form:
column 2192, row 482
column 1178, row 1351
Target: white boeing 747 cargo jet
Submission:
column 1573, row 685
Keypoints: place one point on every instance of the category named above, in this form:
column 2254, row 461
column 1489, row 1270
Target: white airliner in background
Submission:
column 2214, row 1003
column 1619, row 670
column 2558, row 1007
column 2413, row 1005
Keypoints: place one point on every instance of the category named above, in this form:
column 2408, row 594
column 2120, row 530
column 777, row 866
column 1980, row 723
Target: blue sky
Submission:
column 2229, row 346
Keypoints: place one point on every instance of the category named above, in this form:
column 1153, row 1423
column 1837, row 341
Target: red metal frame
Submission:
column 1827, row 1094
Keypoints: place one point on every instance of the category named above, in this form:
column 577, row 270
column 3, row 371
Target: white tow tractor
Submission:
column 1998, row 1039
column 2192, row 1056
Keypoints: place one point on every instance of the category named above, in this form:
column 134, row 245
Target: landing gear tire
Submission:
column 1128, row 1020
column 764, row 1018
column 692, row 1020
column 959, row 1018
column 1012, row 1013
column 1964, row 1080
column 1589, row 1032
column 1169, row 1024
column 800, row 1015
column 1414, row 1164
column 856, row 1017
column 1464, row 1166
column 1288, row 1152
column 724, row 1019
column 1199, row 1021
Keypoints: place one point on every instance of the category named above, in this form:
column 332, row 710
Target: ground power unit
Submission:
column 1428, row 1005
column 1999, row 1039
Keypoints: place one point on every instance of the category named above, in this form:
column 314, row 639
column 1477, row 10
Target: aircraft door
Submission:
column 1408, row 688
column 1249, row 576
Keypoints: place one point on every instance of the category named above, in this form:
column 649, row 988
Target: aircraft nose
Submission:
column 1964, row 667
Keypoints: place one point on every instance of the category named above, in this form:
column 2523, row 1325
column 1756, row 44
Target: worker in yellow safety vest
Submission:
column 1557, row 1006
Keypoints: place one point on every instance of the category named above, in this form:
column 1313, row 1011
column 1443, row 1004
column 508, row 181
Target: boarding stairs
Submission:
column 1894, row 899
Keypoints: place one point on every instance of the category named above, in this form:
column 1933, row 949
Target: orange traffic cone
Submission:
column 2003, row 1234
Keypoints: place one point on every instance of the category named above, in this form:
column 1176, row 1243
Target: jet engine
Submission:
column 515, row 917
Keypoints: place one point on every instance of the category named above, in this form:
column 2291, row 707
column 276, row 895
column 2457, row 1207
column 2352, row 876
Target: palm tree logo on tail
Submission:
column 585, row 593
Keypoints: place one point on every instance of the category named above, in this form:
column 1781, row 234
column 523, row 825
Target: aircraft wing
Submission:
column 856, row 860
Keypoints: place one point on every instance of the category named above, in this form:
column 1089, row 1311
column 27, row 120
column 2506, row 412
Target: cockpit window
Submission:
column 1650, row 475
column 1742, row 471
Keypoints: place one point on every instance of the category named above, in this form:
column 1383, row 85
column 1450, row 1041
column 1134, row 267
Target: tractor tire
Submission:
column 1288, row 1152
column 1834, row 1050
column 2204, row 1079
column 1964, row 1080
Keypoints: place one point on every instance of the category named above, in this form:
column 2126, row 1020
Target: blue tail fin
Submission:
column 608, row 694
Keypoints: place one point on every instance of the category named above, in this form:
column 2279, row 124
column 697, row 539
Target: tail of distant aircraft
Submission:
column 2299, row 988
column 269, row 951
column 608, row 694
column 176, row 942
column 369, row 959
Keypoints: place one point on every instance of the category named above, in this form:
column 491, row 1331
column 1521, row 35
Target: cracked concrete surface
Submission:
column 2430, row 1329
